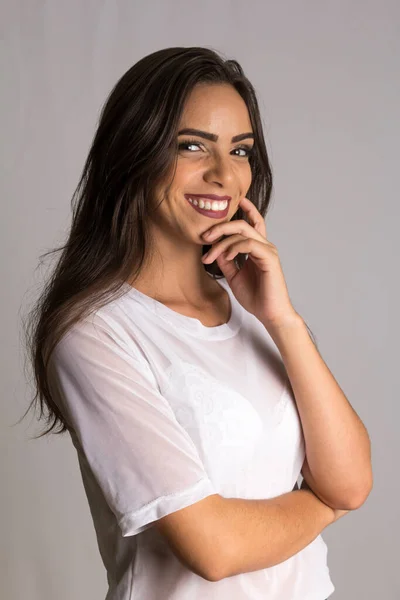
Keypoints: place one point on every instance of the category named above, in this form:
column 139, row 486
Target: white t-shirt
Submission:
column 165, row 412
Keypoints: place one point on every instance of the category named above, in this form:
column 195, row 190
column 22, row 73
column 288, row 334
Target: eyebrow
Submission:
column 213, row 137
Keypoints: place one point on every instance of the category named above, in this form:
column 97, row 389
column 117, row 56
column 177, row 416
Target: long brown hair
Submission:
column 134, row 147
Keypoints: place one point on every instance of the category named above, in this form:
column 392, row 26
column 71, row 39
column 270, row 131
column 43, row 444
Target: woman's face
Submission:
column 204, row 166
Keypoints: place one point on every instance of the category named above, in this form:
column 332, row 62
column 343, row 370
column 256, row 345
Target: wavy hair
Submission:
column 134, row 148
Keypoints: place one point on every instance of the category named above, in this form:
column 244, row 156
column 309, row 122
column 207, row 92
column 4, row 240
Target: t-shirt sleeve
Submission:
column 143, row 460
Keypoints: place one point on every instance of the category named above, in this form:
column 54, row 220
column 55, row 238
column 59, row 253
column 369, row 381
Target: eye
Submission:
column 248, row 150
column 184, row 145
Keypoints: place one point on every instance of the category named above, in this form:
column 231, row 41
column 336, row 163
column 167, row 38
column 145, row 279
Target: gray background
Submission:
column 327, row 76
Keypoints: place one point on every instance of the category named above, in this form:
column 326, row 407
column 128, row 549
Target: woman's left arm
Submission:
column 338, row 449
column 337, row 444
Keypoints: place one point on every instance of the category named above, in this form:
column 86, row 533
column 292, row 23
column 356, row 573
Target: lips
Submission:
column 213, row 214
column 208, row 196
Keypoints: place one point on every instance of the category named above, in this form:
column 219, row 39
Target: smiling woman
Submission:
column 174, row 394
column 212, row 165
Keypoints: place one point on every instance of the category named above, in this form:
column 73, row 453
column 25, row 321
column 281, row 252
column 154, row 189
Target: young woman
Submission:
column 189, row 384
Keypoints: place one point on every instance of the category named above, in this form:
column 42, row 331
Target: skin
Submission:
column 174, row 273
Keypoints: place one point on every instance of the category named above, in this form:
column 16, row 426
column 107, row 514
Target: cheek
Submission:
column 246, row 177
column 186, row 168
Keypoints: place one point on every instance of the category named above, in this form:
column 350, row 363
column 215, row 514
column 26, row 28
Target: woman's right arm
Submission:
column 264, row 533
column 218, row 537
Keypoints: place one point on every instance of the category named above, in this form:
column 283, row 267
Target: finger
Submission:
column 255, row 217
column 241, row 247
column 257, row 251
column 228, row 267
column 240, row 227
column 220, row 247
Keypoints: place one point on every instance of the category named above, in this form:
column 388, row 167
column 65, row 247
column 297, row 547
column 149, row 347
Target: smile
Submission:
column 209, row 208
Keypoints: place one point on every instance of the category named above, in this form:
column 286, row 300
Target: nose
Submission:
column 221, row 171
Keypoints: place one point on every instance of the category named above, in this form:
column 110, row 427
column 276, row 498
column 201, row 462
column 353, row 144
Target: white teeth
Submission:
column 216, row 206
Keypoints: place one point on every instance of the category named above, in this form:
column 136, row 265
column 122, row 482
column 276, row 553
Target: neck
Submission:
column 177, row 277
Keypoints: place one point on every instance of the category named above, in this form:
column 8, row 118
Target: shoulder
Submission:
column 104, row 330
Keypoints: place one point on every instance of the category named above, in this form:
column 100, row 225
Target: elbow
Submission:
column 218, row 570
column 365, row 490
column 358, row 497
column 355, row 502
column 362, row 497
column 213, row 577
column 214, row 573
column 350, row 498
